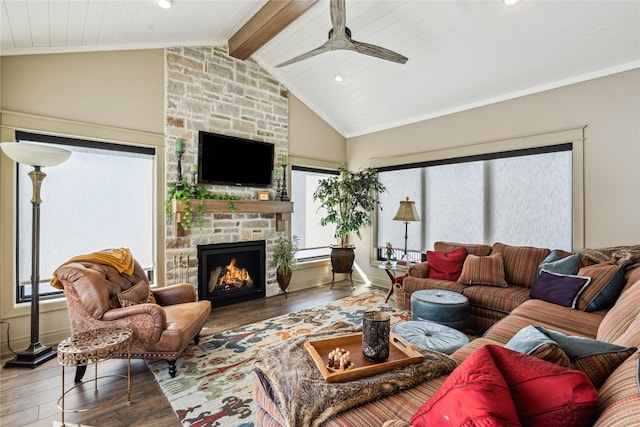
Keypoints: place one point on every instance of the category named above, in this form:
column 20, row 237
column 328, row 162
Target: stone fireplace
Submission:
column 208, row 90
column 231, row 272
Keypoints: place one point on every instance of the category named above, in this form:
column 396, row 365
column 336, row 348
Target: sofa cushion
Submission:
column 555, row 263
column 520, row 263
column 446, row 265
column 607, row 281
column 483, row 270
column 496, row 298
column 472, row 248
column 626, row 309
column 561, row 289
column 540, row 392
column 139, row 293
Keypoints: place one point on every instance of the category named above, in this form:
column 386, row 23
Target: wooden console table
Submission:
column 281, row 209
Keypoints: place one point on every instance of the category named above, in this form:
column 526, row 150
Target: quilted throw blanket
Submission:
column 304, row 398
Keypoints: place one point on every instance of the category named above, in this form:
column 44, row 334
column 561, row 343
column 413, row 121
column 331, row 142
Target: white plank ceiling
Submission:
column 462, row 54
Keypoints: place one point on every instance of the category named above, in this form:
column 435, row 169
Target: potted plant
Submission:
column 350, row 199
column 186, row 193
column 283, row 258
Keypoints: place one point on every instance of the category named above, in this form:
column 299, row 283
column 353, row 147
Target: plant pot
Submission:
column 283, row 276
column 342, row 262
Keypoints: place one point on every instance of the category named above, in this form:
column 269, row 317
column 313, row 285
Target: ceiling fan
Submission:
column 340, row 39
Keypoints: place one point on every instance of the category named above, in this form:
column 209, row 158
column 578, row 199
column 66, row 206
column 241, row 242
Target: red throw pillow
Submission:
column 446, row 265
column 545, row 394
column 537, row 393
column 475, row 393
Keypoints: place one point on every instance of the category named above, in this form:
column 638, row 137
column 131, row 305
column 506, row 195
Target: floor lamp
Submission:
column 406, row 212
column 37, row 156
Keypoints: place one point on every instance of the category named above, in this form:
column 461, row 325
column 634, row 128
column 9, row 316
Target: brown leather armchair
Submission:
column 163, row 320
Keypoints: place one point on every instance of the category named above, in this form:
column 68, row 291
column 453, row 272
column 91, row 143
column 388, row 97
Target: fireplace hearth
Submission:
column 229, row 273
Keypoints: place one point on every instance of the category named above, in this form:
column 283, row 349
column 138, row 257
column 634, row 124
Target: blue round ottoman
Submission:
column 445, row 307
column 431, row 335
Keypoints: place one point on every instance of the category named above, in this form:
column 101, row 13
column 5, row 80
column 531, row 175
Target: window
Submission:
column 521, row 197
column 315, row 240
column 102, row 197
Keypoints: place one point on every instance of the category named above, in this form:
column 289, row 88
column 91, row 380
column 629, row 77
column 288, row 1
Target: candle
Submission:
column 278, row 174
column 284, row 160
column 179, row 147
column 194, row 168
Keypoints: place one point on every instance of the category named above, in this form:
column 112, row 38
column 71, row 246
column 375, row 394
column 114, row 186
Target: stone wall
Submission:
column 208, row 90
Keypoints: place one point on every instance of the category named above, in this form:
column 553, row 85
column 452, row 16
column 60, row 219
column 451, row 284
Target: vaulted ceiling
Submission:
column 462, row 54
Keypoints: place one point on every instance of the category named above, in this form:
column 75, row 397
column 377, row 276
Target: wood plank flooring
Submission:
column 28, row 397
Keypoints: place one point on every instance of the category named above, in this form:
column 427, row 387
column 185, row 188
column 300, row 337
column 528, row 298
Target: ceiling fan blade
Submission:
column 378, row 52
column 324, row 48
column 338, row 12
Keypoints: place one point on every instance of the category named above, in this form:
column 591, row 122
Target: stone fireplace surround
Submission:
column 206, row 89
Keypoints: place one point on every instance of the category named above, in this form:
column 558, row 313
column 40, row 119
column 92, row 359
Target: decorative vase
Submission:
column 375, row 335
column 283, row 276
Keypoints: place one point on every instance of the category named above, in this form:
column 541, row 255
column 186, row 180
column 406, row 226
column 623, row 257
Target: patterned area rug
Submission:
column 213, row 384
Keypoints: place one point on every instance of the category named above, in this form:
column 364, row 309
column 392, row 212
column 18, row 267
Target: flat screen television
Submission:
column 227, row 160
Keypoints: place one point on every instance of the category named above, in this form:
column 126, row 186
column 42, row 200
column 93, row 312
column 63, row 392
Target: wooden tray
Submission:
column 400, row 354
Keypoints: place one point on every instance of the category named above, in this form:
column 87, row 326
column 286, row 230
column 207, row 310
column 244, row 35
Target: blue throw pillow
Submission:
column 555, row 264
column 561, row 289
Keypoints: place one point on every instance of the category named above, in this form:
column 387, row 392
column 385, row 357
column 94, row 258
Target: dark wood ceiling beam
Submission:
column 272, row 18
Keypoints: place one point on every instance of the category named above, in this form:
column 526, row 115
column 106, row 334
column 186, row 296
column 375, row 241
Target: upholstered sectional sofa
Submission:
column 500, row 281
column 618, row 388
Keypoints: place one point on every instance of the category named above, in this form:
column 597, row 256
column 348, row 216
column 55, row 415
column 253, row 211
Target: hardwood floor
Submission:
column 28, row 397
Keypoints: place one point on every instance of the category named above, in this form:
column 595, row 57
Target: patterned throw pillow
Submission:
column 485, row 270
column 607, row 281
column 597, row 359
column 529, row 340
column 140, row 293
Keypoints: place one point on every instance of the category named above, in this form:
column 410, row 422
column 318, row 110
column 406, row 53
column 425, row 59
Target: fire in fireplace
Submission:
column 231, row 272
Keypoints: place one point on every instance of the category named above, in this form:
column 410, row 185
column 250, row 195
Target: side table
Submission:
column 93, row 346
column 391, row 269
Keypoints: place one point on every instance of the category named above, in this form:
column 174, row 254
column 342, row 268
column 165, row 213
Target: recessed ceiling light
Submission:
column 165, row 4
column 511, row 3
column 339, row 78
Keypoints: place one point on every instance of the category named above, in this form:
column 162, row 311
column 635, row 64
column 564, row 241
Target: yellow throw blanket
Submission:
column 119, row 258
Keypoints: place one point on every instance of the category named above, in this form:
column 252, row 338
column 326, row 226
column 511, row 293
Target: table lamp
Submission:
column 406, row 212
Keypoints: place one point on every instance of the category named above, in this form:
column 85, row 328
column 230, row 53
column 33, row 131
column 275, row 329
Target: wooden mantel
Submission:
column 281, row 209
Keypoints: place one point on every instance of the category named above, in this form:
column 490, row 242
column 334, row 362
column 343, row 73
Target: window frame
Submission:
column 572, row 135
column 327, row 171
column 20, row 287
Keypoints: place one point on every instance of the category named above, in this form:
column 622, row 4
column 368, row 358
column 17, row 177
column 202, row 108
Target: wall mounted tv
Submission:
column 227, row 160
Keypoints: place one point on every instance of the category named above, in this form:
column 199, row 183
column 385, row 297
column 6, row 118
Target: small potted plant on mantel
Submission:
column 350, row 199
column 283, row 258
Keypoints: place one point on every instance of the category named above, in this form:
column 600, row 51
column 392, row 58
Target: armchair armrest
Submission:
column 156, row 312
column 175, row 294
column 420, row 269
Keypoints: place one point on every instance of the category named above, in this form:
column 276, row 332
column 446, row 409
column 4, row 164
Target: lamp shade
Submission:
column 35, row 154
column 407, row 211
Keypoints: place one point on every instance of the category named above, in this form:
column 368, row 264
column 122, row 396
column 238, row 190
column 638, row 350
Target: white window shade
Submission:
column 96, row 200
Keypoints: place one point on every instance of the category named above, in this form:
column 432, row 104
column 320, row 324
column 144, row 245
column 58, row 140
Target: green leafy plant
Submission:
column 283, row 255
column 201, row 194
column 350, row 199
